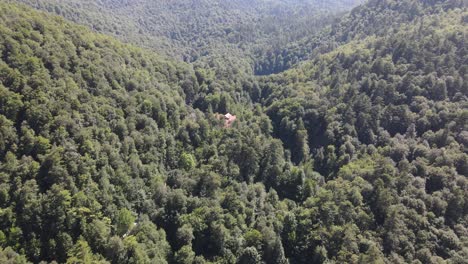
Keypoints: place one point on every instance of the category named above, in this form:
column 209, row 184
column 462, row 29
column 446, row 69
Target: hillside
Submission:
column 374, row 18
column 111, row 153
column 386, row 114
column 103, row 160
column 194, row 29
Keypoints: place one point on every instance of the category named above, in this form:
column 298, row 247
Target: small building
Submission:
column 229, row 119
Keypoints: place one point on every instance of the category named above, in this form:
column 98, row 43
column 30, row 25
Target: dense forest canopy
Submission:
column 200, row 29
column 354, row 151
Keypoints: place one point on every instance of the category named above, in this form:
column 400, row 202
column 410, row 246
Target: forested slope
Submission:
column 110, row 153
column 195, row 29
column 373, row 18
column 385, row 119
column 103, row 160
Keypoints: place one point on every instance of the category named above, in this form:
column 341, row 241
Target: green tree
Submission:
column 124, row 221
column 187, row 161
column 249, row 256
column 81, row 253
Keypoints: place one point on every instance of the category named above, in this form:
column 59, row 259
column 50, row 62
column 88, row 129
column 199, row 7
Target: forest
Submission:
column 349, row 142
column 207, row 30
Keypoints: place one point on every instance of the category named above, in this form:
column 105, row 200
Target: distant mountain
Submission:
column 374, row 18
column 192, row 29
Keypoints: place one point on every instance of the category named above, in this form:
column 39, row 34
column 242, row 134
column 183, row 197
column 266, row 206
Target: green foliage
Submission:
column 112, row 154
column 253, row 238
column 187, row 161
column 249, row 256
column 9, row 256
column 236, row 28
column 81, row 253
column 124, row 221
column 185, row 255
